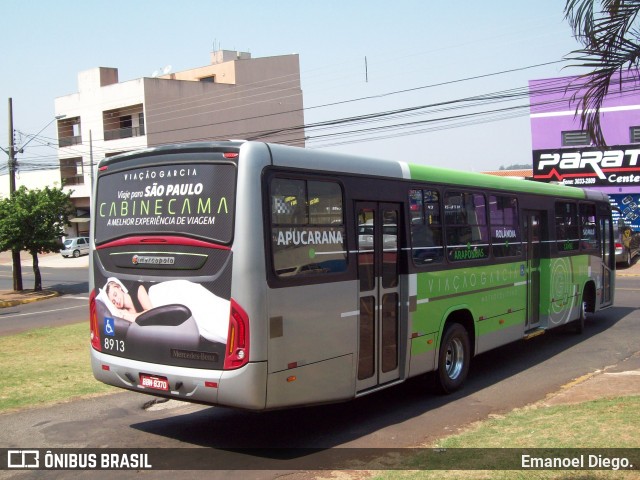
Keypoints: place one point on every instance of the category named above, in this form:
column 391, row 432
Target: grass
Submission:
column 51, row 365
column 605, row 423
column 46, row 366
column 598, row 424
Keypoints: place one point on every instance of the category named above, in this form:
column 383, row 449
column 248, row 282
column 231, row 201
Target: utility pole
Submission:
column 91, row 161
column 15, row 253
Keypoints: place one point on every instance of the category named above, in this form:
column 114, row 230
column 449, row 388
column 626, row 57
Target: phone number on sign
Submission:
column 580, row 181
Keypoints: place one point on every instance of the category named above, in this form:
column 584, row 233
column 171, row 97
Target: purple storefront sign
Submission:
column 615, row 166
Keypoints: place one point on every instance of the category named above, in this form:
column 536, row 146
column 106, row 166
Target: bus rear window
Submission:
column 186, row 199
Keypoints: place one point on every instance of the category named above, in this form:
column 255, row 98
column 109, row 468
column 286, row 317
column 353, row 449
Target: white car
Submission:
column 389, row 236
column 74, row 247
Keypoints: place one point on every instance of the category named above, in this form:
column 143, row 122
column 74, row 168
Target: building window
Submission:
column 210, row 79
column 71, row 171
column 113, row 154
column 69, row 132
column 125, row 122
column 634, row 134
column 575, row 138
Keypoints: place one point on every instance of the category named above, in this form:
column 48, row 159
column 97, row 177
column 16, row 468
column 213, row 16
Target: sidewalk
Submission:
column 632, row 271
column 51, row 260
column 622, row 379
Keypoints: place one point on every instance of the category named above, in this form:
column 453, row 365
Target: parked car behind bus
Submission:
column 627, row 242
column 75, row 247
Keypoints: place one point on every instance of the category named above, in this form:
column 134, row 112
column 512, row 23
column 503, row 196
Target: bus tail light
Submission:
column 93, row 320
column 237, row 353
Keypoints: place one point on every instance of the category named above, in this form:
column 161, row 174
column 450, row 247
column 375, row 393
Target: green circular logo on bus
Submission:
column 312, row 253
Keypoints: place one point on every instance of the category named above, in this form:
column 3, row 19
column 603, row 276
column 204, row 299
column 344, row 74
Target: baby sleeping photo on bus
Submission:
column 210, row 312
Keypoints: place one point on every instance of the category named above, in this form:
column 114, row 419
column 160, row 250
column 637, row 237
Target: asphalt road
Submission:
column 69, row 276
column 408, row 415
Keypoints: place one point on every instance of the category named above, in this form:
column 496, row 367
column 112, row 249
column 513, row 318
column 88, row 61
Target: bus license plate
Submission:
column 157, row 383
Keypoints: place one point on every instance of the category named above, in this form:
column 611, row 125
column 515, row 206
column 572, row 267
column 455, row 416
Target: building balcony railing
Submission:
column 69, row 141
column 123, row 133
column 72, row 180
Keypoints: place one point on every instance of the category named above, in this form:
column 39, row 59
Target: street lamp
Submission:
column 15, row 253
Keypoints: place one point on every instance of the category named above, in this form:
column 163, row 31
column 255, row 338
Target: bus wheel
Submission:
column 579, row 323
column 453, row 358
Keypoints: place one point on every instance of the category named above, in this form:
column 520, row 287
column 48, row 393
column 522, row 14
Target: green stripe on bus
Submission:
column 492, row 182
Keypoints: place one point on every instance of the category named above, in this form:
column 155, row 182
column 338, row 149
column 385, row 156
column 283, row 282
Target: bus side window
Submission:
column 466, row 226
column 288, row 202
column 325, row 203
column 505, row 226
column 567, row 228
column 307, row 228
column 426, row 227
column 589, row 239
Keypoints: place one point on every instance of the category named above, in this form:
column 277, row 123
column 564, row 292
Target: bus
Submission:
column 261, row 276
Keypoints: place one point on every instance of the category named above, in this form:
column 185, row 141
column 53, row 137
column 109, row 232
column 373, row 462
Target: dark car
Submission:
column 627, row 243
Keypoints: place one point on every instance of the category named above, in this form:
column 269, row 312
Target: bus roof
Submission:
column 178, row 148
column 353, row 164
column 493, row 182
column 313, row 159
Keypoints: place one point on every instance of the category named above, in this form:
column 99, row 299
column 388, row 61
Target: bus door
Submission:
column 534, row 229
column 378, row 250
column 608, row 261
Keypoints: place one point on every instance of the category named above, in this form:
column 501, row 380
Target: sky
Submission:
column 418, row 53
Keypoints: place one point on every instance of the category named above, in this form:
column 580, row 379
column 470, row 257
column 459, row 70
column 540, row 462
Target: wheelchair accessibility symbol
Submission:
column 109, row 327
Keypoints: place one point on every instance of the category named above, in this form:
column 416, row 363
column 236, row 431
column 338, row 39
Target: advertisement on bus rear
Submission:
column 197, row 199
column 175, row 322
column 183, row 320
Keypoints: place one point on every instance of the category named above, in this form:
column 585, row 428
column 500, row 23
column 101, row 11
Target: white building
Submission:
column 236, row 96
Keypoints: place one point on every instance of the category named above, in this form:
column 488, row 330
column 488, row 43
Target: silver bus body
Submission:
column 305, row 330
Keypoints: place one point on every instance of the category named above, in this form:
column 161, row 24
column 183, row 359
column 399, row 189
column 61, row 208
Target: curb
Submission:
column 13, row 303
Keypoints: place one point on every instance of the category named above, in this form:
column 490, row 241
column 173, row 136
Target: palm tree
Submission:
column 608, row 31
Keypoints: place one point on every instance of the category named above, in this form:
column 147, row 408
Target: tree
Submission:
column 608, row 31
column 34, row 221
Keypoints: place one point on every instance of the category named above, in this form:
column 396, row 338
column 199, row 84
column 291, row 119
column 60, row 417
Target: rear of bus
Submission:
column 167, row 317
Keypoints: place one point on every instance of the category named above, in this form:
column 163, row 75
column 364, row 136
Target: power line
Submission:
column 332, row 104
column 410, row 128
column 377, row 133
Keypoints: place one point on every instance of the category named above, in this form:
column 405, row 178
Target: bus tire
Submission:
column 579, row 323
column 453, row 358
